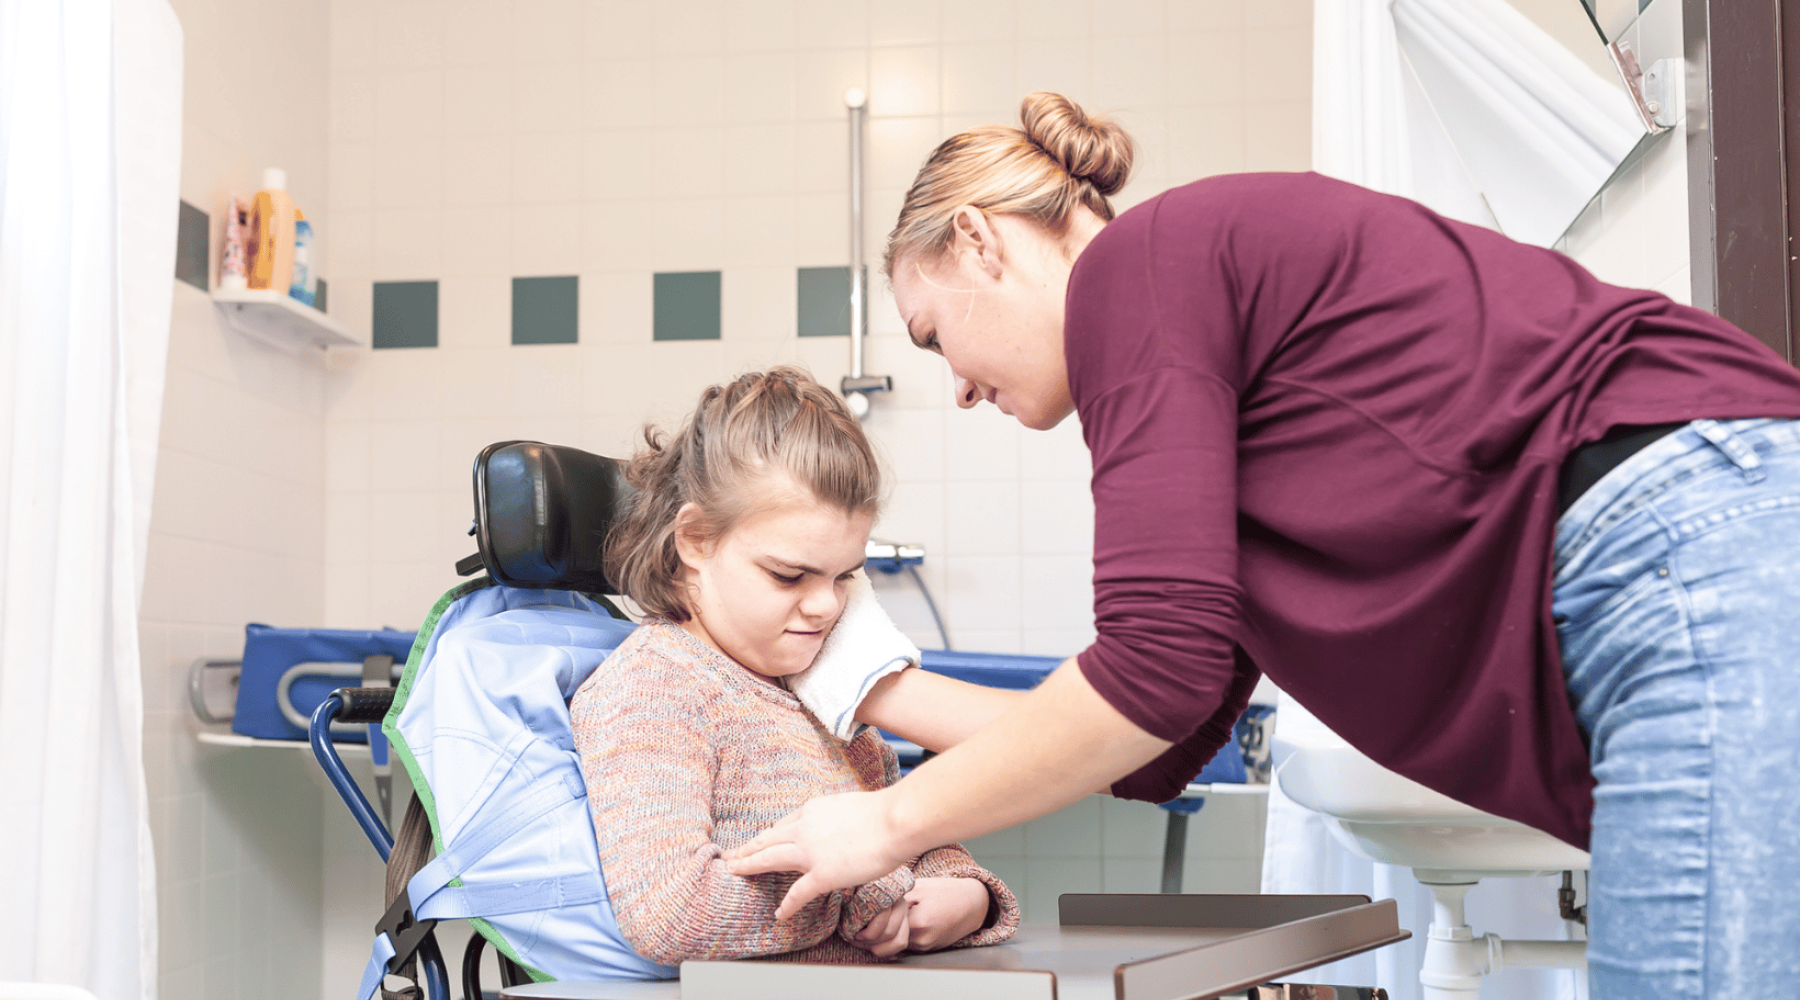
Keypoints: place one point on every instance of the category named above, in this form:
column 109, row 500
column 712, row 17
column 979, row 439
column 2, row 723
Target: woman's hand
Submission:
column 837, row 841
column 944, row 911
column 889, row 933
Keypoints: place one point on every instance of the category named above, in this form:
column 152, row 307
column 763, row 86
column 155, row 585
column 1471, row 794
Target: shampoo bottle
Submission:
column 233, row 274
column 272, row 245
column 306, row 279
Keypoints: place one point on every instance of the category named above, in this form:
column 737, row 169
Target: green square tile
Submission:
column 823, row 294
column 191, row 247
column 406, row 314
column 544, row 310
column 687, row 305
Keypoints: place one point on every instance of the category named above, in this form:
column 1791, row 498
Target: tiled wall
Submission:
column 236, row 535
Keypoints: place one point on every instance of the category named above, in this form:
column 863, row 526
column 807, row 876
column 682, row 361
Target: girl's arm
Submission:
column 641, row 731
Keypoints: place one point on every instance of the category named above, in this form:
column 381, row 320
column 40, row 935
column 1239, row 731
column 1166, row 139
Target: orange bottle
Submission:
column 272, row 234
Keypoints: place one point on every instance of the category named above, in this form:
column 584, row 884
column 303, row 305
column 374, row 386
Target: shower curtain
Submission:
column 1468, row 107
column 90, row 149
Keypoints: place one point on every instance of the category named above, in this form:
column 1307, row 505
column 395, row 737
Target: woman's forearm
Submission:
column 932, row 710
column 1051, row 746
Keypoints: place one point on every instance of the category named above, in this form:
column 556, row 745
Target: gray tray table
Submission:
column 1119, row 947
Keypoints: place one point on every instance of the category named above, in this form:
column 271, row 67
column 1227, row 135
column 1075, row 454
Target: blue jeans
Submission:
column 1677, row 602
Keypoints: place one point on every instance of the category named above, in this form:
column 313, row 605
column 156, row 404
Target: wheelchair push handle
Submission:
column 358, row 705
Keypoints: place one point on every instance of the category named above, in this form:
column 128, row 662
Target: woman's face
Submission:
column 767, row 591
column 993, row 307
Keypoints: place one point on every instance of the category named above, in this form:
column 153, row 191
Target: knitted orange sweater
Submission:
column 687, row 755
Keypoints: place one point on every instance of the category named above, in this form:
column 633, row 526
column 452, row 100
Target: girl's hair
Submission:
column 744, row 441
column 1062, row 158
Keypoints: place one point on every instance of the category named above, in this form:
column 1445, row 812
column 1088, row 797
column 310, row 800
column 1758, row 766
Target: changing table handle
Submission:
column 197, row 687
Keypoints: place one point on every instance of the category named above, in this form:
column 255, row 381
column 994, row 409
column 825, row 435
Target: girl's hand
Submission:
column 944, row 911
column 888, row 934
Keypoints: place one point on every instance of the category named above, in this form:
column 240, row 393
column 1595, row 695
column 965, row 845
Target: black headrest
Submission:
column 542, row 513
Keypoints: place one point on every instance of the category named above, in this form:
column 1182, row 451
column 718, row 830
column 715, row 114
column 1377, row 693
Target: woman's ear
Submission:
column 691, row 545
column 974, row 234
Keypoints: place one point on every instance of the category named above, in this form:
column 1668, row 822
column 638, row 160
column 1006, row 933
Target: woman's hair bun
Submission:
column 1092, row 148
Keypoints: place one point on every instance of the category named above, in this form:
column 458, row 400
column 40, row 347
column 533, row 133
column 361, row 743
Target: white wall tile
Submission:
column 473, row 312
column 758, row 303
column 1054, row 19
column 905, row 81
column 547, row 170
column 978, row 79
column 619, row 93
column 1055, row 64
column 479, row 244
column 547, row 96
column 1277, row 65
column 546, row 240
column 616, row 308
column 689, row 26
column 685, row 163
column 897, row 147
column 981, row 444
column 688, row 235
column 824, row 24
column 352, row 110
column 759, row 87
column 910, row 441
column 476, row 32
column 547, row 31
column 478, row 100
column 618, row 29
column 980, row 593
column 1129, row 72
column 410, row 34
column 767, row 24
column 903, row 24
column 1278, row 137
column 690, row 90
column 409, row 102
column 977, row 20
column 477, row 170
column 821, row 76
column 408, row 244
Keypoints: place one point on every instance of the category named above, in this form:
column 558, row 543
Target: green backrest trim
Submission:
column 390, row 729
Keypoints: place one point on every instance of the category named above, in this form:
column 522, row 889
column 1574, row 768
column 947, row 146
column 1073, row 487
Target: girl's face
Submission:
column 995, row 312
column 766, row 592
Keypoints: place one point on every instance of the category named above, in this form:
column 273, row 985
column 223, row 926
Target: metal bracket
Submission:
column 1656, row 93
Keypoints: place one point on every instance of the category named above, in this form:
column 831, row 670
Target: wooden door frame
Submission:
column 1743, row 135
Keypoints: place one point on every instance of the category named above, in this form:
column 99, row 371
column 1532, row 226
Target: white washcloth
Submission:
column 862, row 648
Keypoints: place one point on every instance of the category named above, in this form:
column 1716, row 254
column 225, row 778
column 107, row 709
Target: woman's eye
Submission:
column 931, row 344
column 787, row 580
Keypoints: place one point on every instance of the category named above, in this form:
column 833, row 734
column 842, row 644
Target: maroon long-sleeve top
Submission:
column 1326, row 427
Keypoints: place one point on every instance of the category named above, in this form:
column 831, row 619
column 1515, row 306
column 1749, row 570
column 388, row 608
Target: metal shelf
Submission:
column 346, row 749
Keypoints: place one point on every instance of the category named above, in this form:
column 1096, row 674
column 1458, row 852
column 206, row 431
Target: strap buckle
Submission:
column 404, row 929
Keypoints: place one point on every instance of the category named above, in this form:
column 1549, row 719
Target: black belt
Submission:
column 1586, row 464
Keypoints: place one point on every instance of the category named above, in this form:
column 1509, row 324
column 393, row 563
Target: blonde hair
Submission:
column 729, row 456
column 1062, row 158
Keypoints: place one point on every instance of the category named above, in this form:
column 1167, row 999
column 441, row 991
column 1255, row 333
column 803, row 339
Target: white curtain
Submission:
column 90, row 149
column 1468, row 107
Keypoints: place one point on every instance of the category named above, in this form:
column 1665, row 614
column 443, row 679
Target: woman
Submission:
column 1527, row 538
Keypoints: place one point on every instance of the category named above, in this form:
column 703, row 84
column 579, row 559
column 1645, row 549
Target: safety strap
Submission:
column 431, row 896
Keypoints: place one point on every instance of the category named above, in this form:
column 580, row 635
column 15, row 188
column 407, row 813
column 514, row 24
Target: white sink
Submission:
column 1387, row 818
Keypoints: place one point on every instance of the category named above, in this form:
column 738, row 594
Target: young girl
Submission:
column 745, row 532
